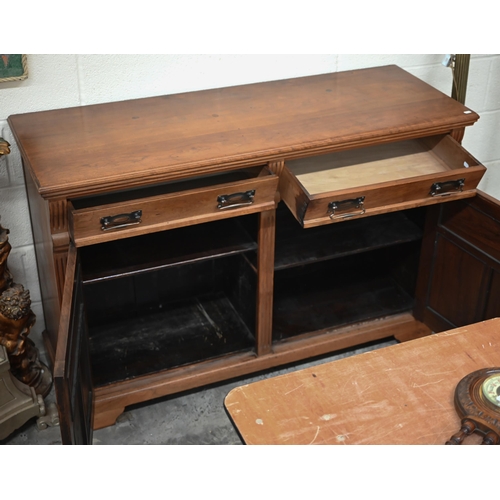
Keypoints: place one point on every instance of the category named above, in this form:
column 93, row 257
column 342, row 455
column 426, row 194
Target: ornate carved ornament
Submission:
column 4, row 147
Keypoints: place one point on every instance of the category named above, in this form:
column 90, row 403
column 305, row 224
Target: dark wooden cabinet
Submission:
column 459, row 279
column 188, row 239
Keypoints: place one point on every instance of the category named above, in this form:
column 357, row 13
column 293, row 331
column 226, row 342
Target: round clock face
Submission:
column 491, row 389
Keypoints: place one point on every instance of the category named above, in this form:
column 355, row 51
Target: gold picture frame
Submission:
column 13, row 67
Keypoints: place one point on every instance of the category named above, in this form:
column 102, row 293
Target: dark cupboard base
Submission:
column 319, row 307
column 183, row 332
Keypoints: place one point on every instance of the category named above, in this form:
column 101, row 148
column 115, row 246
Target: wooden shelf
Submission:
column 164, row 249
column 296, row 246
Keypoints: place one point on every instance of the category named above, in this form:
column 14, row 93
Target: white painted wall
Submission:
column 58, row 81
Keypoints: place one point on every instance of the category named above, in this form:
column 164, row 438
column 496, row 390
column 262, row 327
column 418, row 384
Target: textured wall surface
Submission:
column 58, row 81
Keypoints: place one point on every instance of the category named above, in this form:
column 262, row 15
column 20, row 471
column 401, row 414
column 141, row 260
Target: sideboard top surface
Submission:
column 118, row 145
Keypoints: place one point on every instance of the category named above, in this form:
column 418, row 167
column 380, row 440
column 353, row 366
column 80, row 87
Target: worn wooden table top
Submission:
column 402, row 394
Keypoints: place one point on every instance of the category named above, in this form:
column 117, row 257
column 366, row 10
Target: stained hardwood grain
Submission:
column 141, row 141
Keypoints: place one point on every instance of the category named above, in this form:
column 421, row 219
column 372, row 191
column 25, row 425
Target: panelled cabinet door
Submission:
column 460, row 267
column 72, row 376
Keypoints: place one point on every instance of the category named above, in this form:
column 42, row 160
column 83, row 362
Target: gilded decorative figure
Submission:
column 5, row 275
column 16, row 321
column 4, row 147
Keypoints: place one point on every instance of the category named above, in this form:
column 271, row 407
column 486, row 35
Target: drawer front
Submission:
column 373, row 200
column 158, row 213
column 379, row 179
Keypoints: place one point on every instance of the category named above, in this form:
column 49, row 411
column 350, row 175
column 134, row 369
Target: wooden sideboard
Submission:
column 186, row 239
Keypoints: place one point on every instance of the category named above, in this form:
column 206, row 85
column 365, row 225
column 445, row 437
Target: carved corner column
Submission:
column 276, row 167
column 265, row 268
column 58, row 210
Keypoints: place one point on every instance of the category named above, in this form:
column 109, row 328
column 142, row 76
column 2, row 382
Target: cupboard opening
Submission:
column 154, row 306
column 345, row 273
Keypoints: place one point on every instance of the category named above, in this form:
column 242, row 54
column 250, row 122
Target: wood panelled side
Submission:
column 477, row 221
column 493, row 301
column 459, row 276
column 458, row 283
column 49, row 266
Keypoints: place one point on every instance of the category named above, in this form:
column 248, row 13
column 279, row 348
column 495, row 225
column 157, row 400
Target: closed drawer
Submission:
column 100, row 219
column 378, row 179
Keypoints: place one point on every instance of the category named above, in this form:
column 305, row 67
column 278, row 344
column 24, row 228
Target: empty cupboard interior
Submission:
column 178, row 297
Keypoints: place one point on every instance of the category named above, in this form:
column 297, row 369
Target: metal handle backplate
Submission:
column 335, row 206
column 121, row 220
column 444, row 188
column 235, row 200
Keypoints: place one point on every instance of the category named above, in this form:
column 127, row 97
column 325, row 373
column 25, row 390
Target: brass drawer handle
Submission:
column 121, row 220
column 443, row 188
column 334, row 206
column 235, row 200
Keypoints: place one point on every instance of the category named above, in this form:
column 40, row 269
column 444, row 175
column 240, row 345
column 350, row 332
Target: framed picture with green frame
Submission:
column 13, row 67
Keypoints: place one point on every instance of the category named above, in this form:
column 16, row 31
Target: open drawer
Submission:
column 132, row 213
column 377, row 179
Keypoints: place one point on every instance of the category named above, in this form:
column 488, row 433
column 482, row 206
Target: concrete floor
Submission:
column 194, row 418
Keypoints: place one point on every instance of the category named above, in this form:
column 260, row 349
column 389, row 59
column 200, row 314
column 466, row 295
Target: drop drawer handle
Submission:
column 442, row 188
column 121, row 220
column 235, row 200
column 356, row 203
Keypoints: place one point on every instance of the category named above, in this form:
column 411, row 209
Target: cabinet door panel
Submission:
column 493, row 303
column 476, row 221
column 456, row 279
column 459, row 279
column 72, row 377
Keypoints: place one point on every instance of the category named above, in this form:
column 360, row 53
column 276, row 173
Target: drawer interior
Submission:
column 169, row 187
column 153, row 311
column 379, row 164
